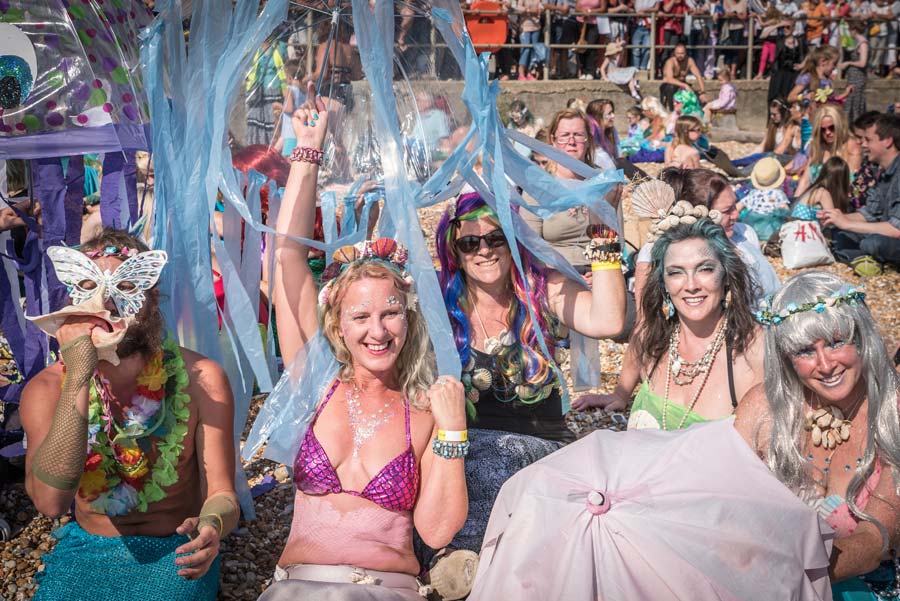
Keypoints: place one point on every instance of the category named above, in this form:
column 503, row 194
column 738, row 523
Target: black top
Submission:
column 499, row 408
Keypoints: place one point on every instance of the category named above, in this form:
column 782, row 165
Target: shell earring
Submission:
column 726, row 302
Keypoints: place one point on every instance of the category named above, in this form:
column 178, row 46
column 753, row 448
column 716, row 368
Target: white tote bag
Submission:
column 803, row 245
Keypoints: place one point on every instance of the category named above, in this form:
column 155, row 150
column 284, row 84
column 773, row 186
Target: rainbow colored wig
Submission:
column 522, row 363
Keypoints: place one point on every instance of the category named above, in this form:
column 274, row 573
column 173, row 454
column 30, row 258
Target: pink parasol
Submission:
column 689, row 515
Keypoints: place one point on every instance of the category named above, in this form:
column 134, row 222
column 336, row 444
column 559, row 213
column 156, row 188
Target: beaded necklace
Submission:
column 118, row 476
column 712, row 350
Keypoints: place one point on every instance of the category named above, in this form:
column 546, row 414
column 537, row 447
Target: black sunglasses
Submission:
column 470, row 244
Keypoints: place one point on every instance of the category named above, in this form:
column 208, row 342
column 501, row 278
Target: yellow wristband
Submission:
column 453, row 435
column 609, row 265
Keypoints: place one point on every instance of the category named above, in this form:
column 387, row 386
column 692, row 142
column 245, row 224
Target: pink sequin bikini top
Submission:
column 395, row 487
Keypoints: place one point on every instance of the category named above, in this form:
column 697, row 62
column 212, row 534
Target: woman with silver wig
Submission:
column 826, row 423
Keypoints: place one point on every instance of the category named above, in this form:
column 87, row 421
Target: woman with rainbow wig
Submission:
column 826, row 423
column 515, row 407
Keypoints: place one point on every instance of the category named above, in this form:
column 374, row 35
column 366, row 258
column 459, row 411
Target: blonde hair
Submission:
column 416, row 364
column 841, row 134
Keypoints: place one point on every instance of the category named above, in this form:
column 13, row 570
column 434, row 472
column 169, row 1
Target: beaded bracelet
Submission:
column 602, row 251
column 307, row 155
column 453, row 435
column 450, row 450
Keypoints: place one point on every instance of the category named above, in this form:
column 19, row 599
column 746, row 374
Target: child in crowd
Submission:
column 681, row 151
column 727, row 99
column 622, row 76
column 766, row 206
column 831, row 190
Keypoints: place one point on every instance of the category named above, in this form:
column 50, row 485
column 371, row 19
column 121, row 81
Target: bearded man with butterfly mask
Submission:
column 134, row 430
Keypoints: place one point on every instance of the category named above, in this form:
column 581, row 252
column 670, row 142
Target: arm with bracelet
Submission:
column 600, row 311
column 443, row 502
column 57, row 445
column 216, row 457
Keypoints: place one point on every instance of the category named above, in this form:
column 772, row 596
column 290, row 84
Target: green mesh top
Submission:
column 647, row 412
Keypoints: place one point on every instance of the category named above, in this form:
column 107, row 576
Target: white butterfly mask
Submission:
column 125, row 286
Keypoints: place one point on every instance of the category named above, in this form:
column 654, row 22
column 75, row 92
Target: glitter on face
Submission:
column 392, row 300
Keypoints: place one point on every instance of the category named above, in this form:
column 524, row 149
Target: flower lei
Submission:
column 846, row 295
column 117, row 476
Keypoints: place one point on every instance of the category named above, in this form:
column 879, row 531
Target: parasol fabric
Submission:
column 689, row 515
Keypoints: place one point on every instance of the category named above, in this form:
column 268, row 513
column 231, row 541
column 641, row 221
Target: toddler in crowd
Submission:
column 727, row 99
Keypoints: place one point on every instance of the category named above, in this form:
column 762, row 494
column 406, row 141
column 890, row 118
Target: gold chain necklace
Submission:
column 714, row 348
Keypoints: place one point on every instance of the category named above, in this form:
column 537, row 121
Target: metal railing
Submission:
column 549, row 16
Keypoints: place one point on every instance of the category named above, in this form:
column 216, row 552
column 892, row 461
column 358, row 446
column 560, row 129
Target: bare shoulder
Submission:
column 208, row 379
column 754, row 354
column 752, row 418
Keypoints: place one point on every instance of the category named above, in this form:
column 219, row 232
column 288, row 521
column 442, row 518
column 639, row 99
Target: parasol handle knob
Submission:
column 597, row 502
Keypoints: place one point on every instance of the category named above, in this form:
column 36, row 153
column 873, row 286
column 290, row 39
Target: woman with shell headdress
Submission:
column 497, row 314
column 826, row 423
column 696, row 350
column 701, row 189
column 383, row 452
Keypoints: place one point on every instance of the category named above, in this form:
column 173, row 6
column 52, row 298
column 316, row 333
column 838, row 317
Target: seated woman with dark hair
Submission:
column 696, row 350
column 702, row 187
column 826, row 423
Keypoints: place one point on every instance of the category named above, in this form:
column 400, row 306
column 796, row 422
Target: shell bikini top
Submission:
column 394, row 488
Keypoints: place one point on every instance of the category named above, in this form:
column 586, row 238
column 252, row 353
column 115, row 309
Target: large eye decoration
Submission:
column 18, row 66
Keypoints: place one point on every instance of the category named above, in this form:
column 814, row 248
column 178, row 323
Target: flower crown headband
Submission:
column 386, row 250
column 849, row 295
column 113, row 251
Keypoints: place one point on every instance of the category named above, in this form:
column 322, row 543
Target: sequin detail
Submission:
column 394, row 488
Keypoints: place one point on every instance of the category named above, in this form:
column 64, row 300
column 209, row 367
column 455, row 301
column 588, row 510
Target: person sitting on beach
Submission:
column 814, row 81
column 830, row 137
column 826, row 423
column 681, row 151
column 766, row 206
column 872, row 236
column 133, row 430
column 696, row 350
column 675, row 72
column 830, row 191
column 512, row 387
column 383, row 452
column 711, row 190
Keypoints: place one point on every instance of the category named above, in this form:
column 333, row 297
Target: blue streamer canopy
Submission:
column 70, row 77
column 318, row 43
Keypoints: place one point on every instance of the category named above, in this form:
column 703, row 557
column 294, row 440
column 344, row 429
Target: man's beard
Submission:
column 145, row 335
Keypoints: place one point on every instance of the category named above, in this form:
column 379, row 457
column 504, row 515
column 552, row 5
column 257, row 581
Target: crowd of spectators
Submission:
column 715, row 33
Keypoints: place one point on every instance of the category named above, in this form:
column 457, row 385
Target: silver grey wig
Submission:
column 786, row 393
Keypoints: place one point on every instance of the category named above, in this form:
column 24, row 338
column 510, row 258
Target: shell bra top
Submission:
column 394, row 488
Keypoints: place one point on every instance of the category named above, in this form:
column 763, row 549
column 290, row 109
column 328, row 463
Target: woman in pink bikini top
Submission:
column 384, row 451
column 826, row 423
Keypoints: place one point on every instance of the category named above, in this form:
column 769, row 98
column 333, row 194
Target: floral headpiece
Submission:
column 386, row 250
column 113, row 251
column 846, row 295
column 682, row 212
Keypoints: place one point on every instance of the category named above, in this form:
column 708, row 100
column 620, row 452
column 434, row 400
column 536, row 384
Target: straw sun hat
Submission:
column 768, row 174
column 614, row 47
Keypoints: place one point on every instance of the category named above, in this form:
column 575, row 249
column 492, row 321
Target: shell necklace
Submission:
column 492, row 344
column 684, row 372
column 712, row 350
column 827, row 425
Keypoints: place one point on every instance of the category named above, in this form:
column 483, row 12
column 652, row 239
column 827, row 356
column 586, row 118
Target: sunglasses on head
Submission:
column 471, row 244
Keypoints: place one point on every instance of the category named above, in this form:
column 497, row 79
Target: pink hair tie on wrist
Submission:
column 307, row 154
